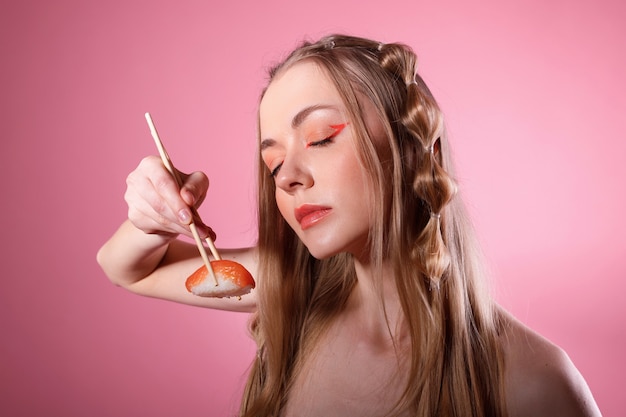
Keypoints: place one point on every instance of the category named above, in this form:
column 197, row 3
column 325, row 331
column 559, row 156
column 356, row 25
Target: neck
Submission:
column 374, row 303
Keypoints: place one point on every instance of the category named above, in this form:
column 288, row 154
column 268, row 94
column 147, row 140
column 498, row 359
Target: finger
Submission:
column 194, row 189
column 193, row 192
column 152, row 183
column 150, row 222
column 203, row 230
column 167, row 193
column 148, row 212
column 169, row 205
column 157, row 206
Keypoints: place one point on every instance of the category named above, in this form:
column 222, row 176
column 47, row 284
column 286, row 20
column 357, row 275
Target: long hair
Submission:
column 419, row 226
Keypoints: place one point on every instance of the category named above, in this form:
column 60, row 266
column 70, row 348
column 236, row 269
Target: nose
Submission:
column 293, row 175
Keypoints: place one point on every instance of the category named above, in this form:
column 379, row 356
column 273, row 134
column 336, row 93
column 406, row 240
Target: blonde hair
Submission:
column 420, row 227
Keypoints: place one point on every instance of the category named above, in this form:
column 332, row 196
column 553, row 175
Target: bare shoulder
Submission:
column 540, row 378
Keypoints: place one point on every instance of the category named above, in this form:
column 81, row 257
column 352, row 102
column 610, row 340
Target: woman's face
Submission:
column 308, row 145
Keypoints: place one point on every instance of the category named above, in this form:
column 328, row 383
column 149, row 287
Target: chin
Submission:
column 325, row 245
column 320, row 255
column 321, row 252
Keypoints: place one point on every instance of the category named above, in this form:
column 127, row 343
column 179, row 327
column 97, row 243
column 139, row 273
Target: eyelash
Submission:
column 321, row 143
column 275, row 170
column 316, row 144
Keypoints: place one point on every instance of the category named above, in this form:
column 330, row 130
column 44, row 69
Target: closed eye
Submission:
column 274, row 172
column 336, row 131
column 316, row 144
column 320, row 143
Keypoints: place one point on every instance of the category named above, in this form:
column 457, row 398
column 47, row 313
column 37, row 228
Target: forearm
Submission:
column 130, row 254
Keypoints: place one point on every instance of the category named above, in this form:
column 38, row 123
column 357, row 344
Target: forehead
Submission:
column 302, row 85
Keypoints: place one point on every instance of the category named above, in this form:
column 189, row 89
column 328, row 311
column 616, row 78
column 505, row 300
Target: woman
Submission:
column 369, row 297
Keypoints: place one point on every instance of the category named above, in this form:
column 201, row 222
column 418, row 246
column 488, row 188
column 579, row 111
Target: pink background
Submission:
column 535, row 99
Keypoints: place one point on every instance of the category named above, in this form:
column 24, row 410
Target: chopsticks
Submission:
column 194, row 231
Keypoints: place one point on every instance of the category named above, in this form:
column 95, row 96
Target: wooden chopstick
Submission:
column 194, row 231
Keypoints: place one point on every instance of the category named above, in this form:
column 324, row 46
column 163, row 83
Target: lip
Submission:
column 309, row 214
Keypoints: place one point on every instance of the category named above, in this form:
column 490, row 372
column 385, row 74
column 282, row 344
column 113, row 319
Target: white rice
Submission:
column 226, row 288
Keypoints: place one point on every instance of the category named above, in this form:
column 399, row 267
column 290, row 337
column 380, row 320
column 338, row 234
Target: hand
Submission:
column 157, row 206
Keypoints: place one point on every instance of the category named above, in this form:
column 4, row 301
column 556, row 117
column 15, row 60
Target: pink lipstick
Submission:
column 308, row 215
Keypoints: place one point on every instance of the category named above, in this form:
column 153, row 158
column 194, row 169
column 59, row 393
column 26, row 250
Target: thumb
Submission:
column 194, row 188
column 188, row 196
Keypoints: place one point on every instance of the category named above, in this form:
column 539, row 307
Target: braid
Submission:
column 422, row 120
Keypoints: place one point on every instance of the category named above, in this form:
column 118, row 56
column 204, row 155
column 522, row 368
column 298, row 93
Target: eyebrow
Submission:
column 297, row 120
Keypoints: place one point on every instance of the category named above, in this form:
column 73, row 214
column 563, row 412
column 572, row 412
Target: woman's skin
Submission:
column 307, row 143
column 144, row 255
column 308, row 146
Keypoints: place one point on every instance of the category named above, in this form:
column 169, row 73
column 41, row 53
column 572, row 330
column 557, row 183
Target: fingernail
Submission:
column 184, row 215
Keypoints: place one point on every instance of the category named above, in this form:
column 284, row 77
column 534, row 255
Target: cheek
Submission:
column 353, row 174
column 363, row 191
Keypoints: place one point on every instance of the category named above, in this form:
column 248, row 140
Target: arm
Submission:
column 145, row 256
